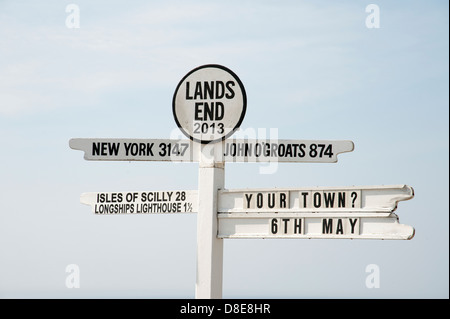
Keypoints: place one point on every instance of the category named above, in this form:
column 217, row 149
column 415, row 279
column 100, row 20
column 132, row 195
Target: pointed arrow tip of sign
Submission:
column 352, row 146
column 73, row 143
column 409, row 191
column 413, row 233
column 85, row 198
column 412, row 191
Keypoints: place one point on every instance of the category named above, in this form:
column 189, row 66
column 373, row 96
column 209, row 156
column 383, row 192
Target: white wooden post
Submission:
column 209, row 247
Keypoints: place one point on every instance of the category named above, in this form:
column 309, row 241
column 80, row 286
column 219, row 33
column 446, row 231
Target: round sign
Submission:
column 209, row 103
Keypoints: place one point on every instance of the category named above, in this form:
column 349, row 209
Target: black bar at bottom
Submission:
column 224, row 308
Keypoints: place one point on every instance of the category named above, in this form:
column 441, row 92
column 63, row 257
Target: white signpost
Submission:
column 232, row 150
column 348, row 212
column 209, row 103
column 151, row 202
column 364, row 199
column 121, row 149
column 208, row 106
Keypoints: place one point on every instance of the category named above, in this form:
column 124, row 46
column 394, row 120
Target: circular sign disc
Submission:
column 209, row 103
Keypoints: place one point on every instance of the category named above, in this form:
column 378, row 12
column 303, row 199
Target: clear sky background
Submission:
column 311, row 69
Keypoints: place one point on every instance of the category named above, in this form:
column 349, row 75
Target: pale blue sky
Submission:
column 311, row 69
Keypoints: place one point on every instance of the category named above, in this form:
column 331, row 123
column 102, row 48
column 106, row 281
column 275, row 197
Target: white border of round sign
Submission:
column 241, row 116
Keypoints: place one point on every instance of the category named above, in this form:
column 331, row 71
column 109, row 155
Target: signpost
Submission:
column 345, row 212
column 233, row 150
column 319, row 225
column 209, row 103
column 363, row 199
column 208, row 106
column 121, row 149
column 149, row 202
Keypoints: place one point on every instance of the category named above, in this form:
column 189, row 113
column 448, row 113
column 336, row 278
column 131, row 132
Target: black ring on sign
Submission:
column 241, row 118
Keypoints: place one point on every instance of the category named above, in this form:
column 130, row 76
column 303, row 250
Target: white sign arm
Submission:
column 122, row 149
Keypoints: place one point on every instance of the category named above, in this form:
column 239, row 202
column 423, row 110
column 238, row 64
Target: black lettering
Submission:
column 341, row 199
column 113, row 148
column 283, row 203
column 208, row 90
column 142, row 148
column 297, row 226
column 288, row 150
column 304, row 194
column 266, row 149
column 95, row 149
column 198, row 111
column 329, row 151
column 329, row 199
column 240, row 149
column 127, row 148
column 274, row 227
column 339, row 227
column 233, row 149
column 302, row 150
column 208, row 111
column 227, row 147
column 353, row 224
column 258, row 150
column 321, row 146
column 111, row 198
column 220, row 89
column 327, row 226
column 104, row 147
column 286, row 221
column 231, row 94
column 134, row 149
column 271, row 200
column 259, row 200
column 198, row 91
column 149, row 148
column 354, row 195
column 281, row 149
column 248, row 197
column 294, row 149
column 317, row 200
column 188, row 97
column 248, row 150
column 213, row 111
column 274, row 148
column 220, row 111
